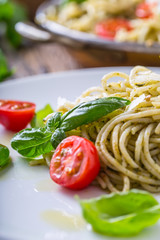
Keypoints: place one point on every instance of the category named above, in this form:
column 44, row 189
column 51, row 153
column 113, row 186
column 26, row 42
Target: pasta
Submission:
column 85, row 15
column 128, row 141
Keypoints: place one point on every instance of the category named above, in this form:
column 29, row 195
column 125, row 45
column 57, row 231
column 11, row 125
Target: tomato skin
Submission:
column 144, row 10
column 15, row 115
column 75, row 163
column 109, row 27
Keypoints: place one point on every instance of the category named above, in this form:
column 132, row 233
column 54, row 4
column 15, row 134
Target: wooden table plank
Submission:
column 40, row 58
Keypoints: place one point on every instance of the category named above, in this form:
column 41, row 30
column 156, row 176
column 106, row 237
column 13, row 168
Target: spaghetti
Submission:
column 128, row 141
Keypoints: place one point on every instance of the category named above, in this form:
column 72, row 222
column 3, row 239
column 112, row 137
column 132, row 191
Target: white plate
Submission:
column 32, row 207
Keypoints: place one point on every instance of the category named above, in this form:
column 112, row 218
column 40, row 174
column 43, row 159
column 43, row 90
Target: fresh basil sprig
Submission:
column 121, row 214
column 36, row 141
column 32, row 142
column 4, row 155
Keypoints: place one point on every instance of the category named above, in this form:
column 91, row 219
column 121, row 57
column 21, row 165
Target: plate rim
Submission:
column 70, row 72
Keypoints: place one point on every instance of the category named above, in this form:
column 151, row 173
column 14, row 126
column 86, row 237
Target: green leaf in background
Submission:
column 5, row 72
column 37, row 121
column 121, row 214
column 76, row 1
column 10, row 14
column 6, row 10
column 4, row 155
column 32, row 142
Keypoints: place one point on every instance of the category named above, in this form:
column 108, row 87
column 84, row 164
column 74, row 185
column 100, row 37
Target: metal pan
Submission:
column 84, row 39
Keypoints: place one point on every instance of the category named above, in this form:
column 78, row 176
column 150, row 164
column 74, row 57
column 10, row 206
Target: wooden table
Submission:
column 39, row 58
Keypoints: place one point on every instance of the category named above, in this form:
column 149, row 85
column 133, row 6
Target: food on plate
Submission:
column 33, row 142
column 15, row 115
column 120, row 118
column 118, row 20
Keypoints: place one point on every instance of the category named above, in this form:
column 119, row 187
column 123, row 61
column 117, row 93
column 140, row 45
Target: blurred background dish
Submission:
column 104, row 22
column 48, row 46
column 93, row 51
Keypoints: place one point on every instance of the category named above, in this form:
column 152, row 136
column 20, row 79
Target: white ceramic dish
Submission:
column 32, row 207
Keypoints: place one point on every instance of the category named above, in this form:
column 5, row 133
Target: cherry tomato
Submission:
column 15, row 115
column 109, row 27
column 75, row 163
column 145, row 10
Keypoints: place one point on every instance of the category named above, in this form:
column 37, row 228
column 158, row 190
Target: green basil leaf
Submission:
column 37, row 121
column 121, row 214
column 4, row 155
column 57, row 137
column 54, row 122
column 91, row 111
column 32, row 142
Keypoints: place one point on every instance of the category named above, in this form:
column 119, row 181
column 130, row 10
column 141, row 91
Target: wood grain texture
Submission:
column 40, row 58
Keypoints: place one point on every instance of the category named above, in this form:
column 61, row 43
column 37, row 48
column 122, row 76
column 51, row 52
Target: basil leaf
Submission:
column 121, row 214
column 91, row 111
column 4, row 155
column 37, row 121
column 54, row 122
column 32, row 142
column 57, row 137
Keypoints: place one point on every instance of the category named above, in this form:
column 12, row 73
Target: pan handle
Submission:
column 30, row 31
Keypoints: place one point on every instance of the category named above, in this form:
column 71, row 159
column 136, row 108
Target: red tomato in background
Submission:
column 109, row 27
column 15, row 115
column 145, row 10
column 75, row 163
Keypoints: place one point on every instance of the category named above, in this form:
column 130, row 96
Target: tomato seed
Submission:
column 2, row 103
column 80, row 155
column 57, row 162
column 26, row 105
column 69, row 171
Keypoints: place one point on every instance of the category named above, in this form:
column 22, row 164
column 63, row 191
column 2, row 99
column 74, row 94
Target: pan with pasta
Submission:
column 113, row 20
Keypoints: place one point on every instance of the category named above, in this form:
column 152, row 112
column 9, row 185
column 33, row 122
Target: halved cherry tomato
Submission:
column 75, row 163
column 15, row 115
column 145, row 10
column 109, row 27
